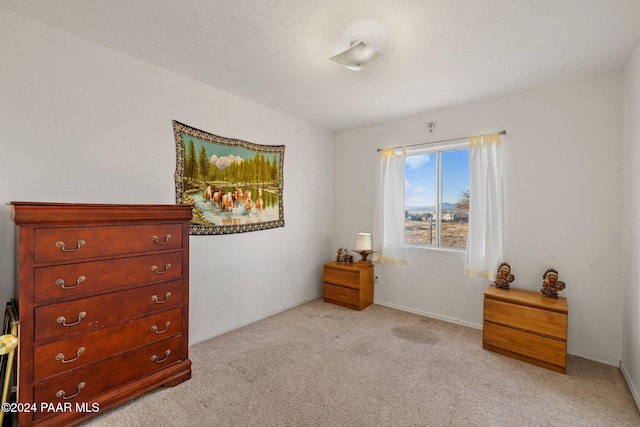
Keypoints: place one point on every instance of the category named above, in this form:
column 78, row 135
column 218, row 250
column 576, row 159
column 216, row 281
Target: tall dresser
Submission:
column 103, row 301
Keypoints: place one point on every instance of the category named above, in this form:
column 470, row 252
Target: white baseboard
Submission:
column 428, row 314
column 610, row 362
column 632, row 387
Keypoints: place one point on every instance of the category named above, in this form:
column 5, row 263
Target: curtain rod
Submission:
column 502, row 132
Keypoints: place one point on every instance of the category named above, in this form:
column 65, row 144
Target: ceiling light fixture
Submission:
column 358, row 56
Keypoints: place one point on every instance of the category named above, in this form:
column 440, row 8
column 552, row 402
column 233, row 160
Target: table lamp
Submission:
column 364, row 247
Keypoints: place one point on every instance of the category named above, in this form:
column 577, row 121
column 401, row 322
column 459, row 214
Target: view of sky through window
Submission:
column 420, row 178
column 433, row 221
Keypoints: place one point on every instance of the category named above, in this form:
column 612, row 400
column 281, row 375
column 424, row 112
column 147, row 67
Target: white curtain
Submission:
column 485, row 240
column 389, row 219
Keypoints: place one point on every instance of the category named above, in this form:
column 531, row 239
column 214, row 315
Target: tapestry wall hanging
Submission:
column 234, row 186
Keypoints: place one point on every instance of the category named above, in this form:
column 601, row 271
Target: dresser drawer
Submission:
column 75, row 280
column 71, row 243
column 56, row 357
column 549, row 350
column 342, row 294
column 83, row 383
column 344, row 277
column 67, row 319
column 532, row 319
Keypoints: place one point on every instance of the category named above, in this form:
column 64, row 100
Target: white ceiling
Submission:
column 439, row 52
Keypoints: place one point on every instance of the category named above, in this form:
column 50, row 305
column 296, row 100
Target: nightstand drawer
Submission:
column 342, row 294
column 344, row 277
column 532, row 319
column 534, row 346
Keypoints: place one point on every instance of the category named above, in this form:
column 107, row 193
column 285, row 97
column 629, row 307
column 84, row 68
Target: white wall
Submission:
column 631, row 312
column 81, row 123
column 563, row 161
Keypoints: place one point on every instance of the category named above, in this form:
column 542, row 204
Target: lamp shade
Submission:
column 363, row 242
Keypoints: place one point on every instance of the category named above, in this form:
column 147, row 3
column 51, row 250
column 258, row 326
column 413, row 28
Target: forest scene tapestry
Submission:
column 234, row 186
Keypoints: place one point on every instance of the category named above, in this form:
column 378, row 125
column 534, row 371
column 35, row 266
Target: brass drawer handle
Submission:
column 60, row 244
column 62, row 320
column 60, row 356
column 80, row 279
column 166, row 239
column 61, row 393
column 166, row 298
column 166, row 356
column 154, row 268
column 154, row 328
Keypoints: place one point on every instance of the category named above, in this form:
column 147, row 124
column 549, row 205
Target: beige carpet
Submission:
column 324, row 365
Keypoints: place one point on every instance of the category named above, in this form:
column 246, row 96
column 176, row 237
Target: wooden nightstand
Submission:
column 348, row 284
column 526, row 326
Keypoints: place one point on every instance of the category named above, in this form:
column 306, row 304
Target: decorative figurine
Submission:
column 344, row 255
column 504, row 276
column 550, row 284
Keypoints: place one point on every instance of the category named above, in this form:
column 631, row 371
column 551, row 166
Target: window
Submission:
column 437, row 196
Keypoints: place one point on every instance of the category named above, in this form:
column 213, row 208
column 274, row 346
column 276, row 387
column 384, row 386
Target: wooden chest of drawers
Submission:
column 103, row 301
column 348, row 284
column 526, row 326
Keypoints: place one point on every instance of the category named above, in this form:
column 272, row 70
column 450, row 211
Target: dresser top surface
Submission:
column 348, row 265
column 528, row 298
column 65, row 213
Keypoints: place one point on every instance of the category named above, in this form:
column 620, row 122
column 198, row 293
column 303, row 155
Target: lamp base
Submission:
column 364, row 255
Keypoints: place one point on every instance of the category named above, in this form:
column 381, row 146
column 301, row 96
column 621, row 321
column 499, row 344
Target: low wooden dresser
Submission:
column 103, row 301
column 526, row 326
column 348, row 284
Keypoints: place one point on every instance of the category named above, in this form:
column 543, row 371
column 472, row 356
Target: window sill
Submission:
column 435, row 248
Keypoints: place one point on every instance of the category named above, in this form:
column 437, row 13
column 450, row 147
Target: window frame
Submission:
column 437, row 148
